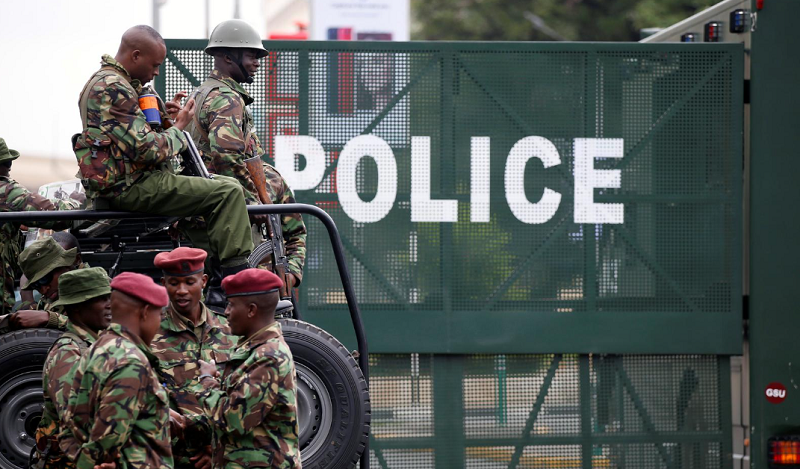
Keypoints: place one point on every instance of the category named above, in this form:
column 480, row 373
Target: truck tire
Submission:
column 22, row 355
column 333, row 407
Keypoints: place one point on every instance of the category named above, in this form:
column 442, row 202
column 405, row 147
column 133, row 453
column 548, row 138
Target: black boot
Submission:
column 215, row 297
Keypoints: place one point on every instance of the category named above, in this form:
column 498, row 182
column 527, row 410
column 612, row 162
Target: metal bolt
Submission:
column 23, row 436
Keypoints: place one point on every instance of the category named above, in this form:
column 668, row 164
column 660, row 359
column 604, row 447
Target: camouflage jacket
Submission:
column 117, row 408
column 223, row 130
column 178, row 346
column 16, row 198
column 254, row 410
column 117, row 145
column 59, row 370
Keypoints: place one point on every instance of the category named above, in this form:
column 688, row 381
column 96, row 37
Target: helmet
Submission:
column 235, row 34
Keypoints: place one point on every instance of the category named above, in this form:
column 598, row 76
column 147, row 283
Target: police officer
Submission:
column 223, row 129
column 43, row 263
column 117, row 409
column 253, row 405
column 126, row 162
column 85, row 296
column 189, row 332
column 16, row 198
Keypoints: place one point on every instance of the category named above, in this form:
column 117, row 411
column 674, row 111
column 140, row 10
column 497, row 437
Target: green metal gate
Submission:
column 545, row 240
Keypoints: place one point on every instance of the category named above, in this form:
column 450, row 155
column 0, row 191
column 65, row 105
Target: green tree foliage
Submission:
column 545, row 20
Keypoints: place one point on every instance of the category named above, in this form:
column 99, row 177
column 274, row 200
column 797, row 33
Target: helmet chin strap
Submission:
column 245, row 74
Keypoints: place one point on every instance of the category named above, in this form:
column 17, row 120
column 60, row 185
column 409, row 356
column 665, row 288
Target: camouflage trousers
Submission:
column 220, row 201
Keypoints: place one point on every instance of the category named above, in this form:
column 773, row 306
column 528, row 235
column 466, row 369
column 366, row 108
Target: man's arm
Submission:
column 59, row 369
column 247, row 402
column 129, row 130
column 118, row 407
column 20, row 199
column 224, row 116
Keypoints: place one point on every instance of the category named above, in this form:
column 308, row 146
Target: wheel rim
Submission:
column 314, row 410
column 20, row 411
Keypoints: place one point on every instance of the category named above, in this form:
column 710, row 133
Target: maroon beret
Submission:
column 141, row 287
column 251, row 282
column 181, row 262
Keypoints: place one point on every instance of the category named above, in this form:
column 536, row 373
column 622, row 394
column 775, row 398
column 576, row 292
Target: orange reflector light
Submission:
column 784, row 452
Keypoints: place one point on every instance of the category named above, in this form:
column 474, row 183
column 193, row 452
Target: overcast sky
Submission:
column 50, row 48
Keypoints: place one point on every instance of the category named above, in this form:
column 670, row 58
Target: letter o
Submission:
column 376, row 148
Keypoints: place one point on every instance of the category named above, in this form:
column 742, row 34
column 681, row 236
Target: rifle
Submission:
column 192, row 161
column 272, row 229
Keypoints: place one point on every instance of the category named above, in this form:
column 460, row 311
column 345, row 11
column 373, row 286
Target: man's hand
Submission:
column 176, row 424
column 208, row 368
column 106, row 465
column 202, row 460
column 27, row 319
column 79, row 196
column 185, row 115
column 174, row 106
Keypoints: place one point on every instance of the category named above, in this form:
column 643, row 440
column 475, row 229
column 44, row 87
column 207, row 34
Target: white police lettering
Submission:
column 286, row 147
column 425, row 209
column 422, row 207
column 353, row 206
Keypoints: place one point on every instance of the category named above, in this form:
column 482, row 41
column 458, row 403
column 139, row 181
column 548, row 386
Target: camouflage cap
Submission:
column 41, row 257
column 7, row 154
column 82, row 285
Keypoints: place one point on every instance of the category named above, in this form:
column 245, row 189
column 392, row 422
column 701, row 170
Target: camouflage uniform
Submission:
column 126, row 162
column 59, row 370
column 223, row 130
column 118, row 411
column 16, row 198
column 254, row 411
column 178, row 345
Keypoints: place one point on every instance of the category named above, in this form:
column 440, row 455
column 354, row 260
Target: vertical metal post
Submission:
column 584, row 371
column 500, row 369
column 157, row 14
column 448, row 411
column 725, row 404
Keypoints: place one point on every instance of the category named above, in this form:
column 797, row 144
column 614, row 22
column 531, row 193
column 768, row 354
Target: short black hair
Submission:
column 150, row 32
column 66, row 239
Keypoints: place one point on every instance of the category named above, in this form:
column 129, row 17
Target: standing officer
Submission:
column 189, row 332
column 223, row 129
column 127, row 163
column 117, row 409
column 16, row 198
column 254, row 407
column 85, row 296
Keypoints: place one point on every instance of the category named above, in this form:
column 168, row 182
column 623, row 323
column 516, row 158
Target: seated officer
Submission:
column 85, row 296
column 189, row 332
column 253, row 406
column 43, row 263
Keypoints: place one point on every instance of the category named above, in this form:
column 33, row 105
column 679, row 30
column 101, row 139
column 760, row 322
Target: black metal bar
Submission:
column 333, row 233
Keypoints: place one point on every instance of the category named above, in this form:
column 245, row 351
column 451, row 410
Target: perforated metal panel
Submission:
column 638, row 296
column 593, row 190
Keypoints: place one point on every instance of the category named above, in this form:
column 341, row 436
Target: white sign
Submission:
column 425, row 209
column 360, row 20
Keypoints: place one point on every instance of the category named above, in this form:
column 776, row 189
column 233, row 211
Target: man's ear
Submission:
column 252, row 310
column 205, row 280
column 136, row 54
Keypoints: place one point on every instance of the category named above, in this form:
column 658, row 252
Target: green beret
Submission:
column 42, row 257
column 79, row 285
column 7, row 154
